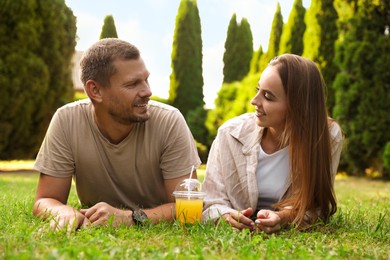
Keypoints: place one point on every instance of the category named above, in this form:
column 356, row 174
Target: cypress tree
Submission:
column 237, row 64
column 255, row 62
column 292, row 36
column 363, row 86
column 34, row 71
column 245, row 48
column 238, row 50
column 274, row 39
column 233, row 99
column 108, row 29
column 230, row 51
column 186, row 79
column 276, row 33
column 223, row 104
column 319, row 41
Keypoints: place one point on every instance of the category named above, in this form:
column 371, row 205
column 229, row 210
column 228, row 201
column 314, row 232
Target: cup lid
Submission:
column 189, row 186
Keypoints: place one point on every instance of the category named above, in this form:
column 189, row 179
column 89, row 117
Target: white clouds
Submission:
column 133, row 32
column 212, row 72
column 88, row 29
column 159, row 85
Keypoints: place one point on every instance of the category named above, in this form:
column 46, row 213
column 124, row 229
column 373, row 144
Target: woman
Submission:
column 276, row 167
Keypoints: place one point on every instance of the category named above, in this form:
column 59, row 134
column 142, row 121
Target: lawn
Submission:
column 359, row 230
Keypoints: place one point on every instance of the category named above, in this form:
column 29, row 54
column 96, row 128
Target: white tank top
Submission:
column 272, row 177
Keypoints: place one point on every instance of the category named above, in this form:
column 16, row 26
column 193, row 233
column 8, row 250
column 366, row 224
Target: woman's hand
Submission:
column 240, row 219
column 268, row 221
column 102, row 212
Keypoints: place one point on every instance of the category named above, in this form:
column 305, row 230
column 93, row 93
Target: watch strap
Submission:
column 139, row 216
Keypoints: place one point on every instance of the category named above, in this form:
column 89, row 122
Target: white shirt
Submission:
column 272, row 175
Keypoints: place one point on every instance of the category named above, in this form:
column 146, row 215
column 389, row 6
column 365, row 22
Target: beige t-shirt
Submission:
column 129, row 174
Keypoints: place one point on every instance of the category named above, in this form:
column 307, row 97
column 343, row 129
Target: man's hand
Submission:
column 102, row 212
column 240, row 219
column 268, row 221
column 67, row 217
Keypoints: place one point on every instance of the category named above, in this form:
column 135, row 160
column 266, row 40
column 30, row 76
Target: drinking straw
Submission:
column 189, row 184
column 192, row 170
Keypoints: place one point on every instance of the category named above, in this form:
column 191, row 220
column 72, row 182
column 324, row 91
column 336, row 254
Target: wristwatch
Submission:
column 139, row 216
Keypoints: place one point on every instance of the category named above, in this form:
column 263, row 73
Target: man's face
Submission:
column 126, row 100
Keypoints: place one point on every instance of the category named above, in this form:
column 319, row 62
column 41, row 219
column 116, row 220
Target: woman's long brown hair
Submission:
column 307, row 134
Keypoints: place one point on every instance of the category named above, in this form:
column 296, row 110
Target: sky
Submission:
column 150, row 24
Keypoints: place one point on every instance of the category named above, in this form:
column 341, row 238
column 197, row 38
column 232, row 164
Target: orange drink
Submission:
column 189, row 201
column 189, row 210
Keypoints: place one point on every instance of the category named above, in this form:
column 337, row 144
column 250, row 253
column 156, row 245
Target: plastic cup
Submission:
column 189, row 201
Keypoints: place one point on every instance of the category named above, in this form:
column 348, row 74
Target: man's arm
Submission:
column 167, row 211
column 50, row 202
column 103, row 212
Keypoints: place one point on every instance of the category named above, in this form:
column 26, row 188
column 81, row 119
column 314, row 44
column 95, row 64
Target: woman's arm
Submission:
column 216, row 202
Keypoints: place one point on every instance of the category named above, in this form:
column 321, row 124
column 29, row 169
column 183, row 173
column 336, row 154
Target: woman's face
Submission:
column 270, row 101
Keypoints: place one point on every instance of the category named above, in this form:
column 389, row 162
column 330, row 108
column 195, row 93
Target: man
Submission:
column 125, row 152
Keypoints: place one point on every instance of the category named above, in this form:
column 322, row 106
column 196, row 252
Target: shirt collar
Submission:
column 248, row 133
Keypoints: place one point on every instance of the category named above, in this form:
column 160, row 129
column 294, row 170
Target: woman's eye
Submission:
column 267, row 96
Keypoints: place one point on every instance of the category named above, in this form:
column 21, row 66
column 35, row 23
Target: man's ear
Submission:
column 93, row 90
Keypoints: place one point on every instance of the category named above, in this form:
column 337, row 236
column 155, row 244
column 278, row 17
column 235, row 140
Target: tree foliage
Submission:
column 276, row 33
column 224, row 102
column 108, row 29
column 37, row 40
column 319, row 41
column 274, row 39
column 255, row 62
column 386, row 161
column 292, row 36
column 196, row 121
column 230, row 50
column 233, row 99
column 238, row 60
column 238, row 50
column 363, row 86
column 186, row 79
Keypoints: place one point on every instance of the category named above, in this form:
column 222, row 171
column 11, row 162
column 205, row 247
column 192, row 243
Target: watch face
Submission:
column 139, row 216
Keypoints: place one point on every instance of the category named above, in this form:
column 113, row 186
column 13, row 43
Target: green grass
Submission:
column 359, row 230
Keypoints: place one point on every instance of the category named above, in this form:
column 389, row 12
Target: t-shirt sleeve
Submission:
column 55, row 157
column 179, row 152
